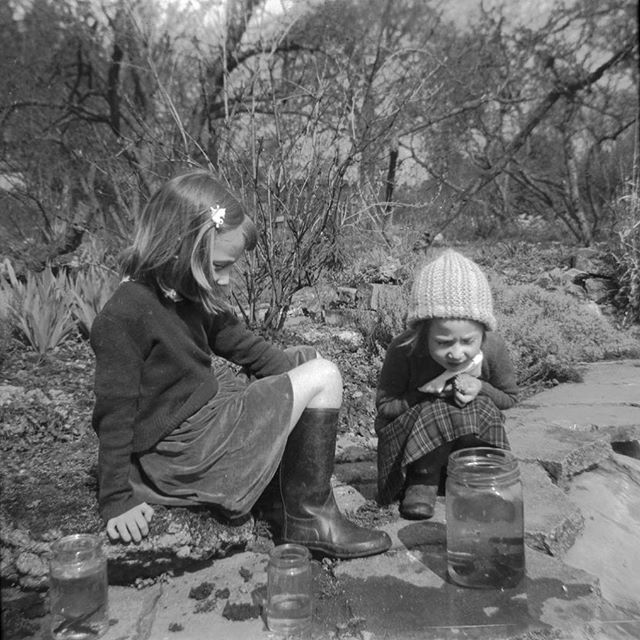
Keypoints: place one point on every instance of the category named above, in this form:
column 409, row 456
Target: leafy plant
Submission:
column 625, row 256
column 90, row 291
column 40, row 307
column 6, row 295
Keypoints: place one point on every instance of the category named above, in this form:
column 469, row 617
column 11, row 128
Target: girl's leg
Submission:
column 317, row 384
column 310, row 514
column 425, row 475
column 421, row 488
column 470, row 440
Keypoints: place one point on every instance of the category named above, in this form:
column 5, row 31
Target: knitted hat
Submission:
column 452, row 286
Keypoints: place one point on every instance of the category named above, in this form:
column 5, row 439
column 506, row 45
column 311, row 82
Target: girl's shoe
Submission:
column 419, row 501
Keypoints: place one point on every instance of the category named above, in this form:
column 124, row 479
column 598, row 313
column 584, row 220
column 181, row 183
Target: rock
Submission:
column 599, row 289
column 552, row 521
column 347, row 296
column 562, row 452
column 378, row 296
column 352, row 340
column 179, row 539
column 609, row 497
column 588, row 259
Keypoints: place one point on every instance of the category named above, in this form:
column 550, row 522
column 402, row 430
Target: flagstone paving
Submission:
column 582, row 521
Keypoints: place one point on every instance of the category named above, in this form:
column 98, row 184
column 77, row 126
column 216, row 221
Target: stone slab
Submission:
column 620, row 421
column 562, row 452
column 552, row 521
column 616, row 381
column 609, row 498
column 406, row 594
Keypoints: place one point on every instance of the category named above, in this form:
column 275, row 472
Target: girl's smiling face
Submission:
column 227, row 249
column 454, row 342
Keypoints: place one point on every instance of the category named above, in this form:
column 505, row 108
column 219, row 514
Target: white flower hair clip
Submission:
column 217, row 216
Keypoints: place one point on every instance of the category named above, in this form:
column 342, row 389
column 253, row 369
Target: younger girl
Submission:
column 443, row 383
column 173, row 429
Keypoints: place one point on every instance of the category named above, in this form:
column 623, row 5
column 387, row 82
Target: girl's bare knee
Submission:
column 329, row 374
column 317, row 383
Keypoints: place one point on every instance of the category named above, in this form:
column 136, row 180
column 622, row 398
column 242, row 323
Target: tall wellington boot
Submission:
column 310, row 514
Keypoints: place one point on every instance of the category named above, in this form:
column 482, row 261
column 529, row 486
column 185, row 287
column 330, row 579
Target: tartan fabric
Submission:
column 426, row 426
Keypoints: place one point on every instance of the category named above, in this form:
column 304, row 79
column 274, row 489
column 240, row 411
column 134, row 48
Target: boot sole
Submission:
column 341, row 554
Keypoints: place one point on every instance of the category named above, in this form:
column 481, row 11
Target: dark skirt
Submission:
column 425, row 427
column 225, row 454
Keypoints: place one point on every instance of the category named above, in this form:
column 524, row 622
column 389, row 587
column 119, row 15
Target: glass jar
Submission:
column 485, row 519
column 289, row 589
column 78, row 588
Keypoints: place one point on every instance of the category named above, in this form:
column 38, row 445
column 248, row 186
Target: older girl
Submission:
column 175, row 430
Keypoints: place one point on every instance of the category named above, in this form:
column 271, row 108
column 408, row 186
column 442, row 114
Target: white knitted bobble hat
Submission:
column 452, row 286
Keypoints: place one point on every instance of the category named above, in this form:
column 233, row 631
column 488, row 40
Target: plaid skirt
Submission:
column 227, row 452
column 425, row 427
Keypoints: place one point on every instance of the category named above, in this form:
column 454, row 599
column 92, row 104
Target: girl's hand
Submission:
column 466, row 388
column 132, row 524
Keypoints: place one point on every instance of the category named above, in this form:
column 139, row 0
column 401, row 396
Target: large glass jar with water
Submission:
column 485, row 522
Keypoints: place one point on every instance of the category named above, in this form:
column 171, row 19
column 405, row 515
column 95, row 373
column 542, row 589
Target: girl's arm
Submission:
column 117, row 380
column 230, row 339
column 394, row 395
column 499, row 379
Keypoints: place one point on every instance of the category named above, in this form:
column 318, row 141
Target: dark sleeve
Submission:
column 499, row 379
column 118, row 369
column 393, row 394
column 230, row 339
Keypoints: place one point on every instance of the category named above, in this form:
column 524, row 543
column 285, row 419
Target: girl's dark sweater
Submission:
column 404, row 370
column 153, row 371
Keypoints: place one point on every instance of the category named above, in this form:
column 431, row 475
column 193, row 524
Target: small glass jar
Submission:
column 485, row 519
column 289, row 602
column 78, row 588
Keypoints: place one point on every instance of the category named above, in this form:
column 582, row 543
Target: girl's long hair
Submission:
column 172, row 247
column 416, row 339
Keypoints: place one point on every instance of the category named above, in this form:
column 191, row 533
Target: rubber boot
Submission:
column 310, row 514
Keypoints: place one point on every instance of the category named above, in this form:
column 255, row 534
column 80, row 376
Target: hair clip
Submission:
column 217, row 216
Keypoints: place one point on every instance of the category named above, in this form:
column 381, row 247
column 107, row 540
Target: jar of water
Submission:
column 485, row 522
column 78, row 588
column 289, row 606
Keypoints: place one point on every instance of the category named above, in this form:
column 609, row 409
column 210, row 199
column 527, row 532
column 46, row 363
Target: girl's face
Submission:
column 227, row 249
column 452, row 343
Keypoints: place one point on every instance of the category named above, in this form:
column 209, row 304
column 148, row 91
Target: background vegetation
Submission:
column 359, row 132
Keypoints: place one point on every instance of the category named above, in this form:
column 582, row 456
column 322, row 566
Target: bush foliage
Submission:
column 549, row 333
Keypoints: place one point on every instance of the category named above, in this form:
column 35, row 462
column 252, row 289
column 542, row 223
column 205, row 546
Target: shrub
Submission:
column 550, row 332
column 40, row 307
